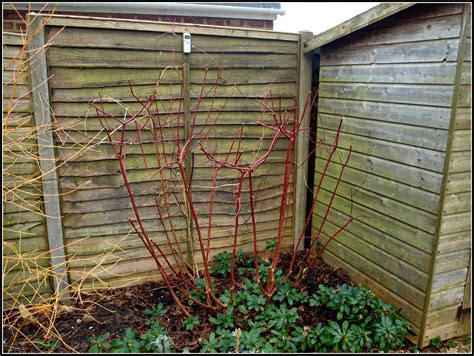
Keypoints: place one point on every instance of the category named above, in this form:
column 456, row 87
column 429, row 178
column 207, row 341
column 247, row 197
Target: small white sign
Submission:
column 186, row 42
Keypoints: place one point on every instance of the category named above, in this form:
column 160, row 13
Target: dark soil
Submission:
column 116, row 309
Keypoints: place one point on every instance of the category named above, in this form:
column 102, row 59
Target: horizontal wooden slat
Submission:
column 378, row 255
column 426, row 116
column 165, row 91
column 416, row 177
column 106, row 38
column 465, row 96
column 455, row 223
column 460, row 162
column 103, row 229
column 104, row 77
column 112, row 58
column 452, row 261
column 389, row 207
column 11, row 38
column 217, row 105
column 446, row 298
column 393, row 245
column 390, row 73
column 457, row 203
column 463, row 119
column 417, row 136
column 412, row 236
column 411, row 52
column 438, row 28
column 414, row 156
column 382, row 186
column 454, row 242
column 434, row 95
column 458, row 182
column 153, row 26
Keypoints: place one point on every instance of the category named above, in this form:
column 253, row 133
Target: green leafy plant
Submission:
column 466, row 340
column 451, row 343
column 157, row 311
column 48, row 346
column 226, row 319
column 191, row 322
column 252, row 340
column 99, row 344
column 210, row 345
column 437, row 343
column 390, row 333
column 154, row 333
column 286, row 293
column 221, row 265
column 127, row 343
column 341, row 337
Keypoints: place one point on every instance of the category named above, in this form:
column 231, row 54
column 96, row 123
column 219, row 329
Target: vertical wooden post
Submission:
column 301, row 169
column 47, row 159
column 188, row 159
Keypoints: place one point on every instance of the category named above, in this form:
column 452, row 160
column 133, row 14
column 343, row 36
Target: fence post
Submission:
column 188, row 161
column 47, row 160
column 301, row 162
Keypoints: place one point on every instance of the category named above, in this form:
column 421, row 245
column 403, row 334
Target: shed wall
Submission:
column 393, row 82
column 449, row 307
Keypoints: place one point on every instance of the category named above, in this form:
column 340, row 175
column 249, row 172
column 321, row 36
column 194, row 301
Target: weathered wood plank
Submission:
column 454, row 242
column 458, row 182
column 166, row 41
column 426, row 116
column 411, row 52
column 457, row 203
column 149, row 211
column 435, row 29
column 103, row 77
column 391, row 244
column 433, row 95
column 442, row 73
column 455, row 223
column 404, row 232
column 465, row 98
column 11, row 38
column 446, row 298
column 112, row 58
column 452, row 261
column 237, row 104
column 384, row 187
column 166, row 91
column 460, row 162
column 442, row 316
column 414, row 176
column 376, row 272
column 412, row 135
column 379, row 256
column 360, row 21
column 414, row 156
column 463, row 119
column 153, row 26
column 391, row 208
column 42, row 114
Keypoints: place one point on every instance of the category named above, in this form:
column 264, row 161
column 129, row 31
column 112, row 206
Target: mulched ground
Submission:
column 116, row 309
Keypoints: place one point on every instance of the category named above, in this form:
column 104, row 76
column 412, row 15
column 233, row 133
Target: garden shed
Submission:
column 400, row 74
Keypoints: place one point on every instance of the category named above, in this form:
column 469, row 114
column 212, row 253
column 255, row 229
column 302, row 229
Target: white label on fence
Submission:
column 186, row 42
